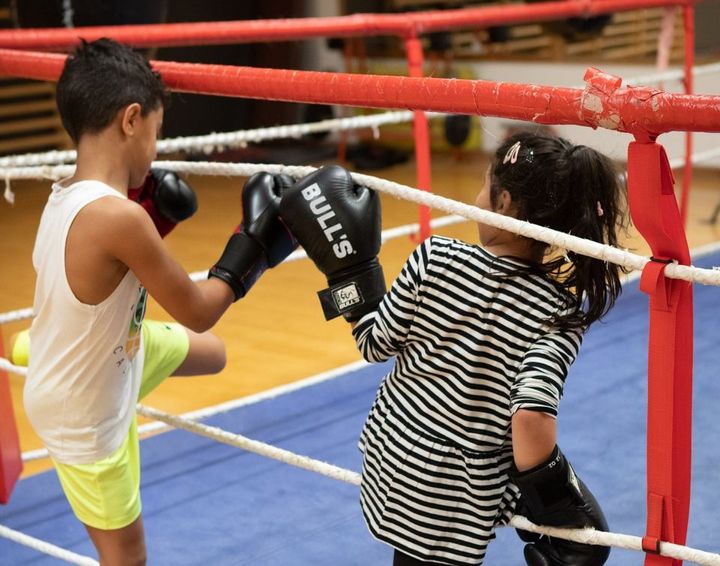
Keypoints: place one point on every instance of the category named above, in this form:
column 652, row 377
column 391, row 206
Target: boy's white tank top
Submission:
column 86, row 360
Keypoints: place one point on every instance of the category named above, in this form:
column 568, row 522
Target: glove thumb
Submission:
column 535, row 557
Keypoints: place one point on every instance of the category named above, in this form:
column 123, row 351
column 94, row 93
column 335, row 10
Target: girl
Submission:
column 462, row 430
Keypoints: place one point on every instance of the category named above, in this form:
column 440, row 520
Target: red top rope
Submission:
column 404, row 25
column 642, row 111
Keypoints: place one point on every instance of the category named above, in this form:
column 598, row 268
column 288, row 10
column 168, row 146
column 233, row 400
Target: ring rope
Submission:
column 220, row 140
column 698, row 157
column 210, row 142
column 586, row 536
column 16, row 315
column 46, row 547
column 552, row 237
column 7, row 365
column 254, row 446
column 627, row 542
column 207, row 412
column 560, row 240
column 386, row 235
column 672, row 75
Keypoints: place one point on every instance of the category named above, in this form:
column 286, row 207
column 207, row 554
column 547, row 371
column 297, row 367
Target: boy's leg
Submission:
column 120, row 547
column 171, row 349
column 105, row 497
column 197, row 354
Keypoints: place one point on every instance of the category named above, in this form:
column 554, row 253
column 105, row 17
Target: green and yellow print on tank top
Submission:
column 133, row 340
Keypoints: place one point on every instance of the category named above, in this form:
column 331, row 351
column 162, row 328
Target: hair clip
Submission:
column 512, row 153
column 600, row 210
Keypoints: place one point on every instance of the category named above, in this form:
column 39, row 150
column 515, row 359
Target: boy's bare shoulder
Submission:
column 114, row 217
column 114, row 209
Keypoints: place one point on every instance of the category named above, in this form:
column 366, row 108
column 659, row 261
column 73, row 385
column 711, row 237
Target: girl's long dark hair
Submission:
column 573, row 189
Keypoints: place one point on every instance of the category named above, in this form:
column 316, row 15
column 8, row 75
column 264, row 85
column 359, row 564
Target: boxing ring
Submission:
column 643, row 112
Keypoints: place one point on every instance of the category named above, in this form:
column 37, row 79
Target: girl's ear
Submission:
column 504, row 204
column 129, row 117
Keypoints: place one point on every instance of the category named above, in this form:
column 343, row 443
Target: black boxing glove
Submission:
column 338, row 223
column 167, row 198
column 553, row 495
column 261, row 240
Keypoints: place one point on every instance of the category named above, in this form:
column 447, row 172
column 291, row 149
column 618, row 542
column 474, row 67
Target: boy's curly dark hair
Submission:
column 99, row 79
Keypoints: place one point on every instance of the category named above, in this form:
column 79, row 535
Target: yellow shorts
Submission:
column 106, row 494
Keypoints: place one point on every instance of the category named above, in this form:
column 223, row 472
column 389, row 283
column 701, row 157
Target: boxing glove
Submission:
column 261, row 240
column 338, row 223
column 553, row 495
column 166, row 198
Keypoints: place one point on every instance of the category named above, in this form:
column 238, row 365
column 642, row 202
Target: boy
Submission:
column 96, row 254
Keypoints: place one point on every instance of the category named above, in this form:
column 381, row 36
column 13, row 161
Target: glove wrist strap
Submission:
column 354, row 296
column 241, row 264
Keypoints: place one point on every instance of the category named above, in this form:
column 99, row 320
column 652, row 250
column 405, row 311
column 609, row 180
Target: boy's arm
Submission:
column 259, row 242
column 132, row 239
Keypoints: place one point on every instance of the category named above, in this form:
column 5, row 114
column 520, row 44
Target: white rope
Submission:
column 221, row 140
column 628, row 542
column 14, row 316
column 33, row 455
column 560, row 240
column 673, row 75
column 55, row 172
column 456, row 209
column 551, row 237
column 586, row 536
column 387, row 235
column 7, row 365
column 260, row 448
column 46, row 547
column 698, row 157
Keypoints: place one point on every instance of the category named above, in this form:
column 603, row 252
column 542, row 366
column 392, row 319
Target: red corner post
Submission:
column 655, row 213
column 689, row 23
column 10, row 457
column 421, row 130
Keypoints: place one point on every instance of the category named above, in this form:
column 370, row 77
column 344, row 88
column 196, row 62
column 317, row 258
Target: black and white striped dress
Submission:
column 473, row 344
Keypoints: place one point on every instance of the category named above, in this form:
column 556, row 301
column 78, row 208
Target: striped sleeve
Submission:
column 381, row 334
column 540, row 380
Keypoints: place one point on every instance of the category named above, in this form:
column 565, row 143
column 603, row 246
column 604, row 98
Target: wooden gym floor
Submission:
column 277, row 334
